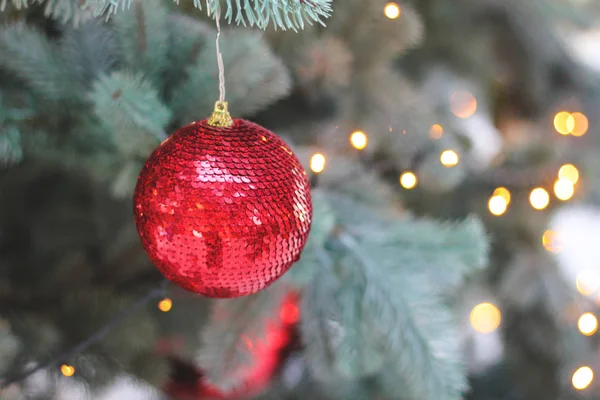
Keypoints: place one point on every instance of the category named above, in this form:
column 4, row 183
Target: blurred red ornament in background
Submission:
column 267, row 356
column 223, row 211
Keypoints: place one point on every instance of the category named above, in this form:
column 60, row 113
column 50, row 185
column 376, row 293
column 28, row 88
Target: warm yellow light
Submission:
column 408, row 180
column 436, row 131
column 463, row 104
column 551, row 241
column 564, row 189
column 580, row 124
column 497, row 205
column 392, row 10
column 587, row 282
column 582, row 378
column 485, row 318
column 67, row 370
column 317, row 163
column 358, row 140
column 165, row 305
column 588, row 324
column 504, row 193
column 570, row 172
column 564, row 122
column 539, row 198
column 449, row 158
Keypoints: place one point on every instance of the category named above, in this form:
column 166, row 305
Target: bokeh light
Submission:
column 392, row 10
column 485, row 318
column 359, row 140
column 436, row 131
column 449, row 158
column 551, row 241
column 504, row 193
column 587, row 324
column 497, row 205
column 408, row 180
column 582, row 378
column 580, row 124
column 317, row 163
column 67, row 370
column 564, row 189
column 570, row 172
column 539, row 198
column 564, row 122
column 463, row 104
column 587, row 282
column 165, row 305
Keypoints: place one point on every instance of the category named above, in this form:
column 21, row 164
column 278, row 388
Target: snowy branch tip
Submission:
column 284, row 14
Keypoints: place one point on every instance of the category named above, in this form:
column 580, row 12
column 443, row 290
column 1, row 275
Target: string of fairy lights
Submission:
column 486, row 317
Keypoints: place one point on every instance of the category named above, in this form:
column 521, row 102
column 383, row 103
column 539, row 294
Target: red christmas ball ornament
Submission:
column 223, row 207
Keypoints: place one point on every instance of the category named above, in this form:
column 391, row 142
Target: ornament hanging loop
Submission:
column 220, row 116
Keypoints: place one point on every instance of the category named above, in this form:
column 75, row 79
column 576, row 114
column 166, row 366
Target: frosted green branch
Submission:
column 411, row 327
column 143, row 37
column 375, row 306
column 285, row 14
column 255, row 78
column 129, row 107
column 10, row 146
column 63, row 10
column 28, row 54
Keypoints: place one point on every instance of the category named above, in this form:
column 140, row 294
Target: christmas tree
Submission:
column 450, row 149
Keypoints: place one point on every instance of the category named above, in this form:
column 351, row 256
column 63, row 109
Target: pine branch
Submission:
column 157, row 292
column 29, row 55
column 255, row 78
column 130, row 108
column 285, row 14
column 375, row 308
column 414, row 331
column 143, row 36
column 10, row 146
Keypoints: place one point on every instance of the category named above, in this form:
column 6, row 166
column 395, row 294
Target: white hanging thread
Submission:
column 220, row 60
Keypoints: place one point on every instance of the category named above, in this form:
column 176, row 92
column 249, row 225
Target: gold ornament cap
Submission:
column 220, row 116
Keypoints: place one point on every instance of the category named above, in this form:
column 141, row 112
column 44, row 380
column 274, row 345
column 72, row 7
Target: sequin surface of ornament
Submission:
column 223, row 211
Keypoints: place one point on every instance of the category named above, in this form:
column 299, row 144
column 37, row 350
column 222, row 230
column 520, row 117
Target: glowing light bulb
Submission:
column 570, row 172
column 317, row 163
column 392, row 10
column 67, row 370
column 539, row 198
column 580, row 124
column 449, row 158
column 358, row 140
column 436, row 131
column 485, row 318
column 497, row 205
column 564, row 189
column 463, row 104
column 564, row 122
column 408, row 180
column 582, row 378
column 504, row 193
column 165, row 305
column 551, row 241
column 588, row 324
column 587, row 282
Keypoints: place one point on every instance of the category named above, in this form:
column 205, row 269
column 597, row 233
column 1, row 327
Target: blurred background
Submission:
column 452, row 148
